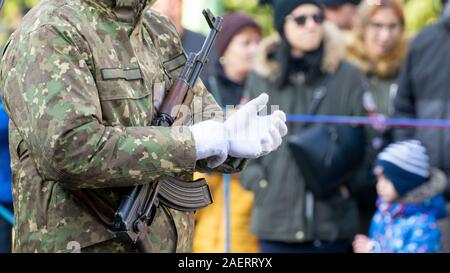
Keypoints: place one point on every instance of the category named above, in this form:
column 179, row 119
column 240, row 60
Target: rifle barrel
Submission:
column 206, row 49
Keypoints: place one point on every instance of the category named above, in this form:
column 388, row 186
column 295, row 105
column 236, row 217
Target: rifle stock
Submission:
column 173, row 99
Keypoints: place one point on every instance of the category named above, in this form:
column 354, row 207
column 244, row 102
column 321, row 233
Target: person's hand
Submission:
column 251, row 135
column 210, row 142
column 362, row 244
column 243, row 135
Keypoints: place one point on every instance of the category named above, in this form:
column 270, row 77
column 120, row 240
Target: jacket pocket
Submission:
column 253, row 178
column 119, row 89
column 125, row 102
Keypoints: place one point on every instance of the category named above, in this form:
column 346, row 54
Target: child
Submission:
column 409, row 203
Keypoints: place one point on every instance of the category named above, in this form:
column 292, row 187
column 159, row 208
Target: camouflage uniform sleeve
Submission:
column 212, row 110
column 58, row 112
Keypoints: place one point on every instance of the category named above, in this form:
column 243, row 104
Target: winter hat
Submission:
column 232, row 24
column 405, row 164
column 336, row 3
column 284, row 7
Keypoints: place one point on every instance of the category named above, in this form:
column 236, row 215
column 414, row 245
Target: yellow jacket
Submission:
column 209, row 236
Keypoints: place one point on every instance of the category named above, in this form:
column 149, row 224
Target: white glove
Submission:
column 210, row 142
column 252, row 136
column 243, row 135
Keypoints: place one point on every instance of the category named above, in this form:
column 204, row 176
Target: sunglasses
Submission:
column 301, row 20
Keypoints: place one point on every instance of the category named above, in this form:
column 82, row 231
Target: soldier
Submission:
column 81, row 81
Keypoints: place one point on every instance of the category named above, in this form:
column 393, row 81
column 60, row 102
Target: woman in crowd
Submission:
column 378, row 48
column 304, row 56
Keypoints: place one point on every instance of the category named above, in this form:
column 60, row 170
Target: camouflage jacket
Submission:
column 81, row 81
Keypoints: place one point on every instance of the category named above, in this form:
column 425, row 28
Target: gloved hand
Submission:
column 243, row 135
column 210, row 142
column 252, row 136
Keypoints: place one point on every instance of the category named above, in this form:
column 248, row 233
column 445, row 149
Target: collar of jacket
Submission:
column 127, row 11
column 434, row 186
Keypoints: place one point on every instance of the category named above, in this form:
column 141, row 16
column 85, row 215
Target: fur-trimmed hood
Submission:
column 334, row 52
column 435, row 186
column 426, row 199
column 386, row 67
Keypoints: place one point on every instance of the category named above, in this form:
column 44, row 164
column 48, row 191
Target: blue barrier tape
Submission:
column 387, row 122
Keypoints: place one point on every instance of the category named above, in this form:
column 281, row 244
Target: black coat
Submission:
column 225, row 91
column 424, row 91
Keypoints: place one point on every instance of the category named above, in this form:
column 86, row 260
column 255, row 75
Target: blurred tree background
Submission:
column 262, row 12
column 418, row 13
column 11, row 14
column 193, row 20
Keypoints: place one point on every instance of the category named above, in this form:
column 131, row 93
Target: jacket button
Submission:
column 263, row 183
column 300, row 235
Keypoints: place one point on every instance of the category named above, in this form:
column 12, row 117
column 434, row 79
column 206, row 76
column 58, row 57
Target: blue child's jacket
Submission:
column 409, row 227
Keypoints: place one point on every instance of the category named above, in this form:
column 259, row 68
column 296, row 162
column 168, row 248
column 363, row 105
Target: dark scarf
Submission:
column 309, row 64
column 230, row 92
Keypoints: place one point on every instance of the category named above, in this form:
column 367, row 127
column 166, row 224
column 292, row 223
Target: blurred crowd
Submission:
column 328, row 188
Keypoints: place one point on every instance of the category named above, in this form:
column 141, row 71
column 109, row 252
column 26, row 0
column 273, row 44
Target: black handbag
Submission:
column 326, row 154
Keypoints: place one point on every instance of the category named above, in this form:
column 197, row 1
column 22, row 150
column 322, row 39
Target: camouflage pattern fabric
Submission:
column 81, row 80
